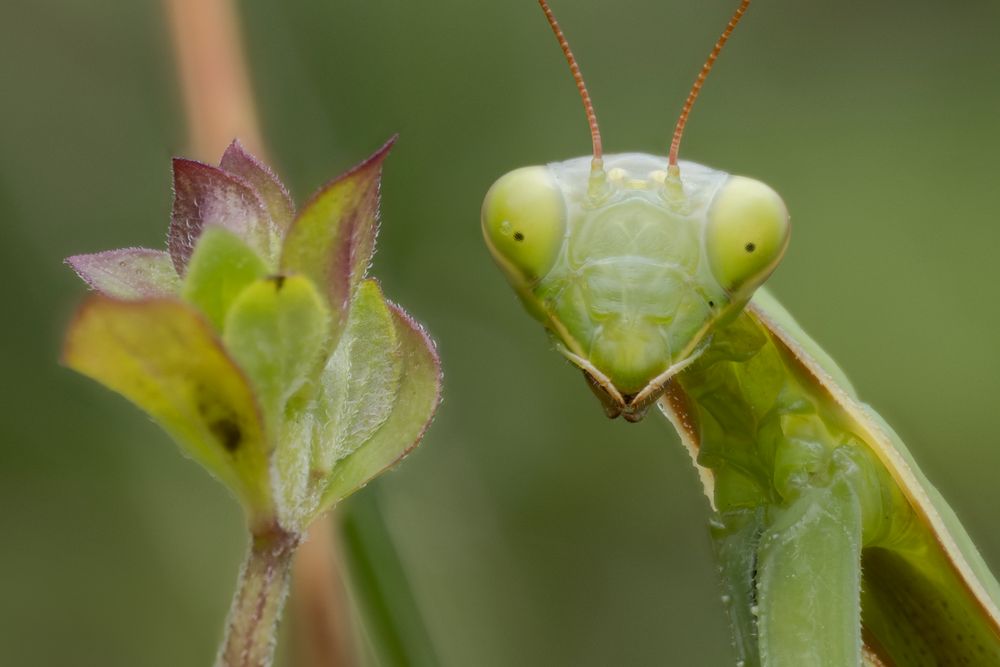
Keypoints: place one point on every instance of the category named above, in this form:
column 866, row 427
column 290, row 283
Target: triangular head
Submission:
column 631, row 274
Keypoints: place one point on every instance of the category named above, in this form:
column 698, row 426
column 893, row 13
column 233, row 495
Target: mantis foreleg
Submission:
column 736, row 535
column 792, row 575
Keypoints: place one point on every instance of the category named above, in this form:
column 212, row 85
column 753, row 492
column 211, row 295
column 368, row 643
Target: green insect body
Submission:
column 834, row 549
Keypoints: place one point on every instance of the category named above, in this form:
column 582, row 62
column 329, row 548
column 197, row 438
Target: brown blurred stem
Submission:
column 322, row 631
column 219, row 107
column 218, row 101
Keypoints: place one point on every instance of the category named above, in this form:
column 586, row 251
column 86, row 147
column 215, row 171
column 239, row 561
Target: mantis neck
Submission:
column 768, row 432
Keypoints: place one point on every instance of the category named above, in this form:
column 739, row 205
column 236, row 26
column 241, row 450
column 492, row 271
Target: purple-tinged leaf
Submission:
column 239, row 161
column 129, row 273
column 333, row 237
column 205, row 195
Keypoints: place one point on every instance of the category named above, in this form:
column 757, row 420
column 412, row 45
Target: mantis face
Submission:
column 629, row 267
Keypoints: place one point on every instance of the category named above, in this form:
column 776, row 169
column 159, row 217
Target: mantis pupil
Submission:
column 750, row 247
column 518, row 236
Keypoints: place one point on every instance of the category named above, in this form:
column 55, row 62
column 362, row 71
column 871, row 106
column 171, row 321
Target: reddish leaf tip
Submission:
column 239, row 161
column 333, row 237
column 205, row 194
column 236, row 147
column 235, row 154
column 371, row 163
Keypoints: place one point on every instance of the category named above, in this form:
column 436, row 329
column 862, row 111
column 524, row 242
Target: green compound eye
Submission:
column 746, row 235
column 524, row 222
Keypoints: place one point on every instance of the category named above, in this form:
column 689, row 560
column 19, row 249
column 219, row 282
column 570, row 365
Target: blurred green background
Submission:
column 534, row 531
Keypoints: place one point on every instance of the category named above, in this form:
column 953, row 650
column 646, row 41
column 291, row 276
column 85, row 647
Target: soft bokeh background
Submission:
column 535, row 532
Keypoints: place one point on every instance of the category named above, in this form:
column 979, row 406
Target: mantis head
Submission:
column 631, row 276
column 629, row 265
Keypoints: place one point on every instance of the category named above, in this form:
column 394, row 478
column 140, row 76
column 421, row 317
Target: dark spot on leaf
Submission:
column 222, row 421
column 227, row 432
column 279, row 281
column 518, row 236
column 750, row 247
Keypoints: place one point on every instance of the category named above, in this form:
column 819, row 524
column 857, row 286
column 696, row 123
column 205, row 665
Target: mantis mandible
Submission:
column 647, row 273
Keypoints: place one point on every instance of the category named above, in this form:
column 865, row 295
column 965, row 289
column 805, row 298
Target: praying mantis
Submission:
column 648, row 273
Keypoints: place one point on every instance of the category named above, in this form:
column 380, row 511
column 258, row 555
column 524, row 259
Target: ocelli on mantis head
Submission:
column 630, row 267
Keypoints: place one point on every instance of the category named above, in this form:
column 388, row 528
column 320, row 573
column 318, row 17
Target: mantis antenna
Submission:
column 588, row 107
column 675, row 145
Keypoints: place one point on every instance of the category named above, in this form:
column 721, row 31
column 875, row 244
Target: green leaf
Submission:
column 221, row 267
column 275, row 331
column 360, row 381
column 129, row 273
column 333, row 237
column 164, row 357
column 413, row 407
column 353, row 397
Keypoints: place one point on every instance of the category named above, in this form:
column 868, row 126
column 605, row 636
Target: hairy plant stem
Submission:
column 260, row 596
